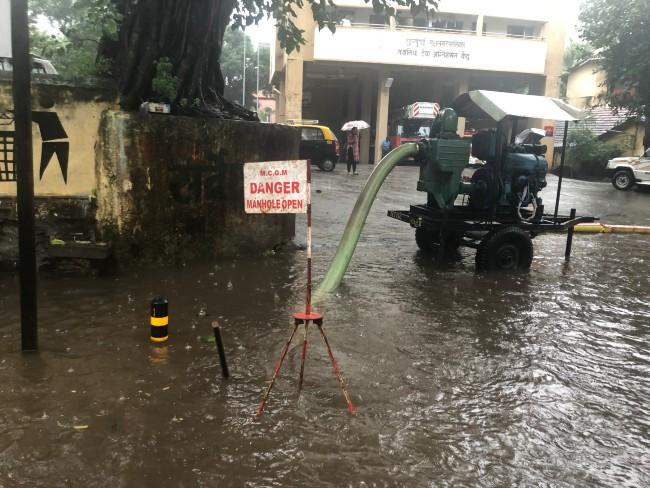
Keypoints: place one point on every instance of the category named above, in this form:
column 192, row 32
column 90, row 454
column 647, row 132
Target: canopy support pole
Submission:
column 559, row 183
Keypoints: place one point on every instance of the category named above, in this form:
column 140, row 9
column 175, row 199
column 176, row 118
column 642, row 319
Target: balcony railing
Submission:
column 402, row 27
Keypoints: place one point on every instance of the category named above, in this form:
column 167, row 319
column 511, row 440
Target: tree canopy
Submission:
column 574, row 54
column 619, row 32
column 176, row 45
column 232, row 64
column 77, row 27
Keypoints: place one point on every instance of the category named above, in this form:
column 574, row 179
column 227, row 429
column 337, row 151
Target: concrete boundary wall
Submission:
column 171, row 188
column 160, row 188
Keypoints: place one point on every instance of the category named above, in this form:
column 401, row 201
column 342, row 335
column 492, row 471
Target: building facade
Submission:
column 586, row 89
column 586, row 84
column 374, row 64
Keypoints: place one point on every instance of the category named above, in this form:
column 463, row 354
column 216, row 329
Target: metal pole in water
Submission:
column 308, row 300
column 22, row 67
column 559, row 183
column 159, row 320
column 276, row 372
column 216, row 328
column 569, row 237
column 309, row 284
column 337, row 372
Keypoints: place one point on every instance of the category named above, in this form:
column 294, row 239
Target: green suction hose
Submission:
column 357, row 220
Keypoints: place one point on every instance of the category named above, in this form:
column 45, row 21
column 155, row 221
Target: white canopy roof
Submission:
column 499, row 105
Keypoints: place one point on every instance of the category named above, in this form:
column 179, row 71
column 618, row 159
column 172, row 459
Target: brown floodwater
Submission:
column 459, row 379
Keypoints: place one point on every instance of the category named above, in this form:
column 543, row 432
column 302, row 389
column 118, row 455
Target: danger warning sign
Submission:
column 275, row 187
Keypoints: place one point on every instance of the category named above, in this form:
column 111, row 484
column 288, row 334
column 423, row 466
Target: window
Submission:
column 522, row 31
column 447, row 24
column 420, row 22
column 403, row 19
column 378, row 19
column 38, row 68
column 484, row 27
column 311, row 134
column 346, row 17
column 5, row 65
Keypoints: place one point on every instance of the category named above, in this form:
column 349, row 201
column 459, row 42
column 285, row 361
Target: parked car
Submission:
column 40, row 66
column 319, row 144
column 629, row 171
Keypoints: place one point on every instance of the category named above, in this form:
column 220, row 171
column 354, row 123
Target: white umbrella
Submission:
column 359, row 124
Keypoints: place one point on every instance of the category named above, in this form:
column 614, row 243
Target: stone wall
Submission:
column 171, row 188
column 159, row 188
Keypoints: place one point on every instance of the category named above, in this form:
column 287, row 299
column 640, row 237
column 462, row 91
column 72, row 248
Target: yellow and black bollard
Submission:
column 159, row 319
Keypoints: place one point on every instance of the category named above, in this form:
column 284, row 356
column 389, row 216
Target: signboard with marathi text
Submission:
column 436, row 49
column 275, row 187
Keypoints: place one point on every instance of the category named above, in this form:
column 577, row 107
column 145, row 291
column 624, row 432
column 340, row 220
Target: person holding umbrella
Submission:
column 352, row 143
column 352, row 151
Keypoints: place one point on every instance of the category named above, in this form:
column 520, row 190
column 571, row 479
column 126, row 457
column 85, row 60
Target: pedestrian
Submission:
column 385, row 147
column 352, row 151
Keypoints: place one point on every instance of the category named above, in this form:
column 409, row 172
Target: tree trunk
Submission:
column 187, row 32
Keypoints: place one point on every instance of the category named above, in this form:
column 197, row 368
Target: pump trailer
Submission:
column 499, row 211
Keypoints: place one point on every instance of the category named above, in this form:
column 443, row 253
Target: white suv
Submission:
column 629, row 171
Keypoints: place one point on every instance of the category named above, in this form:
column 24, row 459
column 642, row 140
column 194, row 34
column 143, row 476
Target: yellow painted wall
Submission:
column 584, row 85
column 80, row 110
column 631, row 138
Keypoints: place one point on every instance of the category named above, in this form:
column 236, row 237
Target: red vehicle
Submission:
column 412, row 122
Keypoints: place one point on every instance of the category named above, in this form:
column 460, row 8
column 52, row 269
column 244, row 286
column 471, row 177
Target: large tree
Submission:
column 574, row 54
column 175, row 46
column 619, row 32
column 190, row 34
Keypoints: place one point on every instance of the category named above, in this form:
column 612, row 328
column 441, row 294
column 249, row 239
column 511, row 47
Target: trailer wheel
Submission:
column 429, row 240
column 507, row 249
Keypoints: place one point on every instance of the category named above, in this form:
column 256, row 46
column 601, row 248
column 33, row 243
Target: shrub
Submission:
column 164, row 85
column 587, row 155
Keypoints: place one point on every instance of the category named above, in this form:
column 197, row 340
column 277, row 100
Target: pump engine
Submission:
column 512, row 176
column 512, row 180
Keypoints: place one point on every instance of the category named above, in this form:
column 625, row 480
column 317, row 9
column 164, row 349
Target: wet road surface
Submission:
column 460, row 379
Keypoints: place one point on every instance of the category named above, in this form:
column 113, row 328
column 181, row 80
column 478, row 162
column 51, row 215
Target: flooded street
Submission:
column 459, row 379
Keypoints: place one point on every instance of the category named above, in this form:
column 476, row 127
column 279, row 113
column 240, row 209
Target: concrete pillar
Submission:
column 462, row 87
column 366, row 113
column 290, row 108
column 479, row 25
column 280, row 98
column 381, row 123
column 352, row 109
column 554, row 32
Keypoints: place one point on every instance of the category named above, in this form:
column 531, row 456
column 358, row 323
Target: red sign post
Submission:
column 285, row 187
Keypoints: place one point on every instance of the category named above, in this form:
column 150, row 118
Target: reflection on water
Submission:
column 460, row 379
